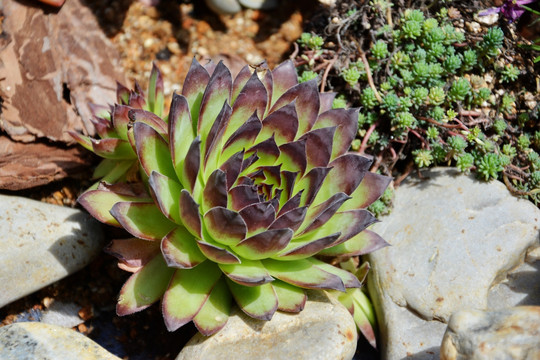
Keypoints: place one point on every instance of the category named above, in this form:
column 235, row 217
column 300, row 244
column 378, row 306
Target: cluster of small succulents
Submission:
column 430, row 94
column 234, row 196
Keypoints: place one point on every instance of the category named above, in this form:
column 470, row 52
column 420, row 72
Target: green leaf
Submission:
column 180, row 249
column 364, row 316
column 99, row 203
column 290, row 298
column 153, row 151
column 363, row 243
column 248, row 273
column 187, row 292
column 259, row 302
column 304, row 274
column 214, row 313
column 181, row 134
column 349, row 279
column 144, row 287
column 155, row 91
column 142, row 220
column 166, row 194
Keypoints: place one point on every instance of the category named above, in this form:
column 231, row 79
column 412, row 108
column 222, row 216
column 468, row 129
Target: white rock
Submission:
column 62, row 314
column 38, row 341
column 42, row 243
column 453, row 238
column 512, row 334
column 323, row 330
column 488, row 20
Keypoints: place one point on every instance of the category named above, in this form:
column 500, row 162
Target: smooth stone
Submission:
column 42, row 243
column 511, row 334
column 259, row 4
column 453, row 239
column 225, row 7
column 323, row 330
column 38, row 341
column 62, row 314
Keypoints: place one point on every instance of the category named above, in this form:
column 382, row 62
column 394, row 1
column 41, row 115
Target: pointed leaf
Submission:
column 99, row 203
column 153, row 151
column 290, row 298
column 144, row 287
column 291, row 219
column 364, row 316
column 232, row 167
column 142, row 220
column 155, row 91
column 327, row 100
column 347, row 127
column 192, row 164
column 306, row 97
column 303, row 249
column 83, row 140
column 363, row 243
column 258, row 217
column 251, row 100
column 282, row 123
column 248, row 273
column 187, row 292
column 370, row 189
column 113, row 148
column 120, row 120
column 347, row 172
column 215, row 191
column 349, row 279
column 319, row 146
column 213, row 144
column 303, row 273
column 214, row 313
column 267, row 152
column 284, row 77
column 349, row 223
column 181, row 133
column 122, row 94
column 189, row 214
column 293, row 156
column 259, row 302
column 216, row 93
column 239, row 82
column 288, row 180
column 166, row 194
column 217, row 254
column 319, row 215
column 196, row 80
column 180, row 249
column 241, row 196
column 264, row 244
column 243, row 138
column 312, row 183
column 225, row 226
column 148, row 118
column 133, row 253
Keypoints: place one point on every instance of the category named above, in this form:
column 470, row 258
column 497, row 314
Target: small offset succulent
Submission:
column 113, row 127
column 244, row 187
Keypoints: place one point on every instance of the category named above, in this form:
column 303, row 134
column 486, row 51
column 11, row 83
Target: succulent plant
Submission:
column 243, row 184
column 113, row 125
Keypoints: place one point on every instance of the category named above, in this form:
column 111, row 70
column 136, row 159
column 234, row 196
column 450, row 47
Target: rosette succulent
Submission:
column 246, row 185
column 113, row 123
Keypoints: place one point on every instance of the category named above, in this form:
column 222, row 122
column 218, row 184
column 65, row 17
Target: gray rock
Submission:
column 42, row 243
column 453, row 239
column 511, row 334
column 38, row 341
column 62, row 314
column 323, row 330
